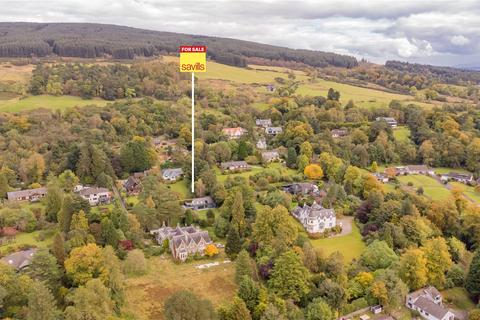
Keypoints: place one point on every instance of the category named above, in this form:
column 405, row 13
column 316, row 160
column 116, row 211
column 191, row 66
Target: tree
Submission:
column 135, row 156
column 243, row 266
column 234, row 243
column 135, row 263
column 211, row 250
column 413, row 268
column 374, row 167
column 53, row 202
column 41, row 303
column 306, row 150
column 109, row 233
column 58, row 248
column 4, row 187
column 274, row 227
column 248, row 291
column 68, row 180
column 378, row 255
column 91, row 301
column 472, row 283
column 291, row 158
column 85, row 263
column 44, row 268
column 318, row 309
column 289, row 278
column 474, row 314
column 238, row 213
column 302, row 162
column 313, row 171
column 439, row 261
column 186, row 305
column 236, row 311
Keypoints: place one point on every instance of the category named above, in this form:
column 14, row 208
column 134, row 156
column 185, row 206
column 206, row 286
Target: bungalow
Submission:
column 338, row 133
column 390, row 121
column 303, row 188
column 465, row 178
column 199, row 203
column 273, row 131
column 234, row 133
column 263, row 122
column 428, row 303
column 31, row 195
column 382, row 177
column 234, row 166
column 172, row 174
column 19, row 260
column 183, row 241
column 262, row 144
column 270, row 156
column 420, row 169
column 96, row 196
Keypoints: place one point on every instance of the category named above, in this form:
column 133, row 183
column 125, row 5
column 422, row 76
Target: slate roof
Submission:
column 235, row 164
column 20, row 259
column 92, row 190
column 173, row 173
column 431, row 307
column 315, row 211
column 13, row 195
column 270, row 155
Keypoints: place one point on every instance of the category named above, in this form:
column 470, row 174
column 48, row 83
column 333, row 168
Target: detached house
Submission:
column 96, row 196
column 428, row 303
column 273, row 131
column 390, row 121
column 199, row 203
column 465, row 178
column 172, row 174
column 338, row 133
column 234, row 133
column 270, row 156
column 234, row 166
column 183, row 241
column 303, row 188
column 133, row 185
column 19, row 260
column 420, row 169
column 31, row 195
column 262, row 144
column 315, row 218
column 263, row 122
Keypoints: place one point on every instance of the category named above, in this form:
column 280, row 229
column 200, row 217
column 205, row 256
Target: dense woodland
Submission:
column 96, row 40
column 411, row 239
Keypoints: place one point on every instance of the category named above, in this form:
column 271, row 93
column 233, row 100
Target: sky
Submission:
column 440, row 32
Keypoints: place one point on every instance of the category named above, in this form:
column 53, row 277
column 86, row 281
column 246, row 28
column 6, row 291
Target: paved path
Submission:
column 347, row 223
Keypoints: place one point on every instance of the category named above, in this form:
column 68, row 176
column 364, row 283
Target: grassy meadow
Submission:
column 146, row 294
column 351, row 245
column 431, row 187
column 17, row 104
column 401, row 134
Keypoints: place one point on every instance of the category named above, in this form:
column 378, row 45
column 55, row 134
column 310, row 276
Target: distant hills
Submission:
column 86, row 40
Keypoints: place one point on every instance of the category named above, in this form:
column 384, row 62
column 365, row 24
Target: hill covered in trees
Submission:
column 87, row 40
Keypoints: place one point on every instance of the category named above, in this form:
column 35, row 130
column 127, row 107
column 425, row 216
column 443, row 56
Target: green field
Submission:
column 182, row 188
column 350, row 246
column 30, row 239
column 402, row 134
column 363, row 97
column 469, row 191
column 458, row 298
column 431, row 187
column 442, row 170
column 48, row 102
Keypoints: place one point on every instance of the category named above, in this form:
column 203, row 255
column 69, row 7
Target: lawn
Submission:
column 146, row 294
column 181, row 188
column 431, row 187
column 48, row 102
column 402, row 134
column 442, row 170
column 363, row 97
column 30, row 239
column 458, row 297
column 350, row 246
column 255, row 169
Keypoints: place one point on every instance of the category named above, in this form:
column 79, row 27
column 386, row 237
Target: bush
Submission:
column 135, row 263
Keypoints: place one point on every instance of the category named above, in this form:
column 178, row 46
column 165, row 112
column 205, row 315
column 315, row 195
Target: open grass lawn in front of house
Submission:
column 350, row 246
column 182, row 188
column 47, row 102
column 363, row 97
column 431, row 187
column 402, row 134
column 33, row 239
column 458, row 299
column 145, row 295
column 443, row 170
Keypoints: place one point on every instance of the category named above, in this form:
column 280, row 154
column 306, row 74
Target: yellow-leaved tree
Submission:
column 211, row 250
column 313, row 171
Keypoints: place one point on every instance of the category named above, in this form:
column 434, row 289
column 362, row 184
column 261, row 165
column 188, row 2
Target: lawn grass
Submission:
column 459, row 298
column 431, row 187
column 181, row 188
column 48, row 102
column 363, row 97
column 246, row 174
column 350, row 246
column 443, row 170
column 145, row 295
column 27, row 239
column 402, row 134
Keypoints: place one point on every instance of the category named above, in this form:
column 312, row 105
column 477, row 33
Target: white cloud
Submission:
column 436, row 30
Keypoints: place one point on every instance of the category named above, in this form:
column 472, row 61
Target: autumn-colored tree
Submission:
column 380, row 292
column 413, row 268
column 313, row 171
column 85, row 263
column 274, row 227
column 439, row 261
column 211, row 250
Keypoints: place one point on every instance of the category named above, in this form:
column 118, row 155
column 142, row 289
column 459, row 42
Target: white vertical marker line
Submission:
column 193, row 132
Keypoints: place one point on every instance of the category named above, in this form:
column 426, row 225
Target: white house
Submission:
column 315, row 218
column 273, row 131
column 270, row 156
column 234, row 133
column 172, row 174
column 95, row 195
column 428, row 303
column 31, row 195
column 466, row 178
column 262, row 144
column 263, row 122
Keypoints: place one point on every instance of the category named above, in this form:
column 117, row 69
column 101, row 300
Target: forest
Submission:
column 96, row 40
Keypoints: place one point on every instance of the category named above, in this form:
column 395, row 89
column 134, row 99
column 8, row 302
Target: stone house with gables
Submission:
column 183, row 241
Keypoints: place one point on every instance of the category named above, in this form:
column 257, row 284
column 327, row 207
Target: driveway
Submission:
column 346, row 226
